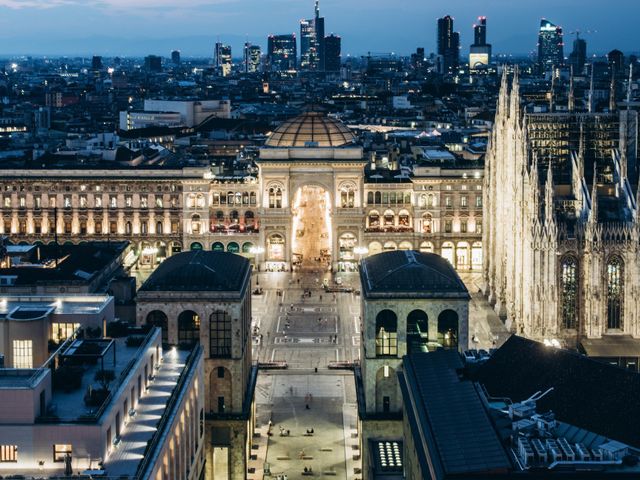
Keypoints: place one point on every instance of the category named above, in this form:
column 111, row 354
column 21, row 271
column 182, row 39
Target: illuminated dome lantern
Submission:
column 311, row 129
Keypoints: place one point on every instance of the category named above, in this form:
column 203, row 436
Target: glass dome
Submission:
column 311, row 129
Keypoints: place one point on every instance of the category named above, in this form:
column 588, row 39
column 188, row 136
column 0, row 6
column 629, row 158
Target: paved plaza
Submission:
column 299, row 323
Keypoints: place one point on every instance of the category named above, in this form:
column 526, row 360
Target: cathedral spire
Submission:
column 612, row 93
column 503, row 96
column 591, row 99
column 571, row 106
column 629, row 85
column 548, row 195
column 594, row 196
column 515, row 95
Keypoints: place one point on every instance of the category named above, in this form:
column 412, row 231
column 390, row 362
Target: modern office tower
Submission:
column 251, row 58
column 223, row 59
column 616, row 61
column 175, row 57
column 480, row 51
column 96, row 63
column 282, row 53
column 332, row 53
column 153, row 63
column 312, row 42
column 418, row 59
column 550, row 46
column 578, row 57
column 448, row 45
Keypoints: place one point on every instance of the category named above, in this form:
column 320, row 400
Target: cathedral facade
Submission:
column 562, row 223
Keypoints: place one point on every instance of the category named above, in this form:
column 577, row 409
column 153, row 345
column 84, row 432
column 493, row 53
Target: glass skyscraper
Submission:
column 332, row 53
column 448, row 45
column 312, row 42
column 550, row 46
column 251, row 58
column 282, row 53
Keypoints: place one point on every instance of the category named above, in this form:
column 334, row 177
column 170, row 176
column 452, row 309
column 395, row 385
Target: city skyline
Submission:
column 114, row 27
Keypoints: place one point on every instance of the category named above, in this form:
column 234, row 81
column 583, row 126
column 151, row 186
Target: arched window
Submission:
column 378, row 199
column 369, row 198
column 275, row 197
column 569, row 292
column 245, row 198
column 386, row 333
column 374, row 219
column 422, row 200
column 220, row 334
column 144, row 228
column 238, row 198
column 195, row 224
column 127, row 228
column 389, row 218
column 615, row 286
column 188, row 328
column 157, row 318
column 229, row 198
column 200, row 201
column 158, row 228
column 427, row 223
column 235, row 216
column 448, row 329
column 252, row 198
column 404, row 220
column 417, row 331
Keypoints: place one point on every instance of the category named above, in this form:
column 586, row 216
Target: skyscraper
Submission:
column 175, row 57
column 448, row 45
column 312, row 42
column 550, row 46
column 153, row 63
column 578, row 56
column 480, row 51
column 282, row 53
column 251, row 58
column 332, row 53
column 96, row 63
column 616, row 61
column 223, row 59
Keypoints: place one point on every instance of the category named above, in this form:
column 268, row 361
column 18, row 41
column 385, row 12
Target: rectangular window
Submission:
column 159, row 202
column 447, row 201
column 463, row 226
column 447, row 226
column 478, row 201
column 67, row 201
column 60, row 451
column 464, row 201
column 83, row 201
column 386, row 343
column 8, row 453
column 22, row 354
column 144, row 202
column 52, row 202
column 38, row 202
column 7, row 202
column 98, row 202
column 62, row 331
column 220, row 334
column 113, row 201
column 128, row 201
column 478, row 226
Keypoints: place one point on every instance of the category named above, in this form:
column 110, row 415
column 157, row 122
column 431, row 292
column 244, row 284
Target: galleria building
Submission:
column 315, row 201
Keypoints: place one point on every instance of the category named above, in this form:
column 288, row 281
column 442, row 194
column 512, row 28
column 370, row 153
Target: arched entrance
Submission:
column 312, row 229
column 448, row 329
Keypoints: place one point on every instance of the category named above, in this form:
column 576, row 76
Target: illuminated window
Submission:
column 8, row 453
column 188, row 328
column 569, row 292
column 22, row 354
column 98, row 202
column 62, row 331
column 386, row 333
column 60, row 451
column 615, row 284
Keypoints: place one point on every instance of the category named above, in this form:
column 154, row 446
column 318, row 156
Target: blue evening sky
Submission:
column 138, row 27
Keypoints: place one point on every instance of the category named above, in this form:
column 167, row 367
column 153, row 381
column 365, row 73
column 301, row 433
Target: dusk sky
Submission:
column 139, row 27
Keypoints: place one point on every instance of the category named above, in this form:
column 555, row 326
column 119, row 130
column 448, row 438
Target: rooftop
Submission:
column 311, row 129
column 199, row 271
column 410, row 274
column 61, row 304
column 587, row 393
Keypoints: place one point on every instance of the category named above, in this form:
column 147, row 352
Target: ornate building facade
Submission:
column 562, row 227
column 162, row 210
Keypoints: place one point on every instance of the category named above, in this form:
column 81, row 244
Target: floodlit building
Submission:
column 411, row 302
column 204, row 297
